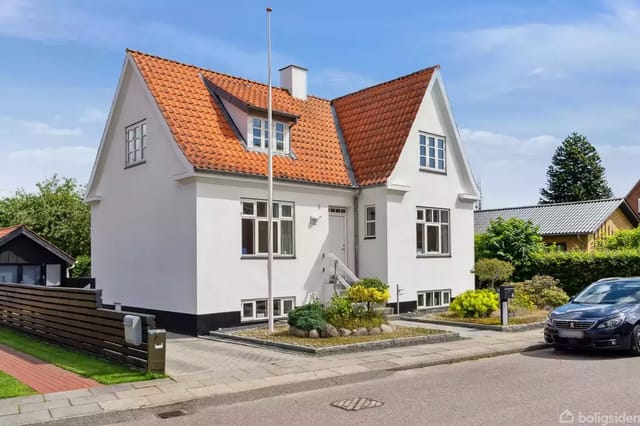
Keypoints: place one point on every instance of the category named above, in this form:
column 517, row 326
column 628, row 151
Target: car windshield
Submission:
column 611, row 293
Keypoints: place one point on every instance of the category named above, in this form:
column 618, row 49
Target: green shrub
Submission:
column 577, row 269
column 308, row 317
column 493, row 271
column 521, row 300
column 370, row 291
column 82, row 268
column 623, row 239
column 543, row 291
column 475, row 303
column 342, row 313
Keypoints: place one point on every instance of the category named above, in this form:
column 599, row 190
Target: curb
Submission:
column 504, row 328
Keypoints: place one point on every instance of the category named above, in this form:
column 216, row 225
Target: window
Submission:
column 433, row 298
column 136, row 143
column 257, row 309
column 433, row 153
column 432, row 231
column 255, row 228
column 370, row 222
column 259, row 136
column 8, row 273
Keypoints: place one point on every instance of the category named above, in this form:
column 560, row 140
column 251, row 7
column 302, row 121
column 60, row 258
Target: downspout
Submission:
column 356, row 232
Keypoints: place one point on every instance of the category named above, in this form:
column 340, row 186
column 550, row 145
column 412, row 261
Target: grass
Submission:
column 100, row 370
column 11, row 387
column 527, row 318
column 281, row 334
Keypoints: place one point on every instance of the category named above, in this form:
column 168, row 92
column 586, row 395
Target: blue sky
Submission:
column 520, row 75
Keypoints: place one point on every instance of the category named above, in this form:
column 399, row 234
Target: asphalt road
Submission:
column 531, row 388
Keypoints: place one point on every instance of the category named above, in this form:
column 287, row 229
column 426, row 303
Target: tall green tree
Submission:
column 55, row 210
column 575, row 174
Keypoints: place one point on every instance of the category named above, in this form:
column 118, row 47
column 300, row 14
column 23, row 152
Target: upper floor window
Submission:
column 259, row 136
column 136, row 135
column 255, row 228
column 432, row 231
column 433, row 153
column 370, row 221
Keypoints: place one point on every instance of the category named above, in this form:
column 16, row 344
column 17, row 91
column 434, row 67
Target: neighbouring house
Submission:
column 371, row 184
column 571, row 226
column 633, row 198
column 27, row 258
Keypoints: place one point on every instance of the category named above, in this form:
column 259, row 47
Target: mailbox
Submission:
column 132, row 329
column 506, row 292
column 157, row 348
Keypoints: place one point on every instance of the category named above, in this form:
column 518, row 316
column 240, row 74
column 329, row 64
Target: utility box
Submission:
column 506, row 292
column 132, row 329
column 157, row 350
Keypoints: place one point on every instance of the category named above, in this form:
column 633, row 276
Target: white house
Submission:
column 376, row 179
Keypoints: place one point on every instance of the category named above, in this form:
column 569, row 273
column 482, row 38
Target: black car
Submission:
column 604, row 315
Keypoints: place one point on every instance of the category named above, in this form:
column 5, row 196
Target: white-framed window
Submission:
column 136, row 143
column 255, row 228
column 433, row 152
column 256, row 309
column 259, row 135
column 432, row 231
column 370, row 221
column 433, row 298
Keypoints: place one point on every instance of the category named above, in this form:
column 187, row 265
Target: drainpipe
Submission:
column 356, row 220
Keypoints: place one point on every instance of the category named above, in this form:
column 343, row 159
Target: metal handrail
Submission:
column 338, row 263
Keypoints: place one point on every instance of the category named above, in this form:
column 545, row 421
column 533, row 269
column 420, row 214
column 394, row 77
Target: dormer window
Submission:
column 259, row 140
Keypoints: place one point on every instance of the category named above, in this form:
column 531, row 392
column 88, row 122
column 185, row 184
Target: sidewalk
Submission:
column 201, row 368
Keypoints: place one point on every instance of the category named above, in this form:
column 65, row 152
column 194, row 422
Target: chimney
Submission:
column 294, row 79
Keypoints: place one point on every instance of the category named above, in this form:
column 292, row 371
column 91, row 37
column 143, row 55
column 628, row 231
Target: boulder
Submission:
column 374, row 331
column 362, row 331
column 301, row 333
column 344, row 332
column 314, row 334
column 386, row 329
column 330, row 331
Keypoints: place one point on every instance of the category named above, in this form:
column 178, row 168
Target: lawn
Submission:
column 281, row 334
column 528, row 318
column 98, row 369
column 10, row 387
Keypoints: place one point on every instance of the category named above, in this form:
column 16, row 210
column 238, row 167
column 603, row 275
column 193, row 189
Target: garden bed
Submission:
column 401, row 336
column 529, row 321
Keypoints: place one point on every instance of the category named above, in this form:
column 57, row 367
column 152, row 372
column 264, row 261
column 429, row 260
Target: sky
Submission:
column 520, row 76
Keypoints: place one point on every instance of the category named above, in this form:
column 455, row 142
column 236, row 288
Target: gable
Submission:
column 20, row 245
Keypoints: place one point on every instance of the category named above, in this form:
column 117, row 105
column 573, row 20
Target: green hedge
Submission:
column 577, row 269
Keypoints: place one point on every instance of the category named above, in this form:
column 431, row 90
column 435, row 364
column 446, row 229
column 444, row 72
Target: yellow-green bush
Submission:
column 475, row 303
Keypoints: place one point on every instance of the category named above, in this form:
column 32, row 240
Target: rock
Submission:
column 330, row 331
column 314, row 334
column 344, row 332
column 301, row 333
column 374, row 331
column 362, row 331
column 292, row 330
column 386, row 329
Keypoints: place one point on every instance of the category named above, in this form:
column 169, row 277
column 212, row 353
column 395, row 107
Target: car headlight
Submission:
column 549, row 322
column 611, row 323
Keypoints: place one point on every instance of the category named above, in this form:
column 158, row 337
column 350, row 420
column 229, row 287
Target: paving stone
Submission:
column 44, row 405
column 67, row 394
column 168, row 398
column 124, row 404
column 75, row 411
column 219, row 381
column 9, row 409
column 10, row 402
column 379, row 365
column 83, row 400
column 350, row 369
column 248, row 385
column 181, row 386
column 155, row 382
column 138, row 392
column 322, row 374
column 111, row 388
column 210, row 390
column 25, row 418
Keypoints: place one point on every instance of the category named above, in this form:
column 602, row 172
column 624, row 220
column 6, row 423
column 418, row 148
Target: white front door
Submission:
column 338, row 232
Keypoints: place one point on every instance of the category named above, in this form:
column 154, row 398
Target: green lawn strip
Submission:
column 10, row 387
column 281, row 334
column 100, row 370
column 528, row 318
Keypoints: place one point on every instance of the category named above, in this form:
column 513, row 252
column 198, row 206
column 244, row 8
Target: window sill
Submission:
column 128, row 166
column 252, row 320
column 431, row 256
column 431, row 308
column 264, row 257
column 430, row 170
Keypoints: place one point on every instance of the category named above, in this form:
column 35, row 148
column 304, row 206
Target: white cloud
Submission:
column 39, row 128
column 536, row 71
column 93, row 115
column 55, row 156
column 507, row 144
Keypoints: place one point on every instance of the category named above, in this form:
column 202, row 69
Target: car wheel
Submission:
column 635, row 340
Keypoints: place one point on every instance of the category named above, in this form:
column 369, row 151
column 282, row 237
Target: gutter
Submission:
column 356, row 231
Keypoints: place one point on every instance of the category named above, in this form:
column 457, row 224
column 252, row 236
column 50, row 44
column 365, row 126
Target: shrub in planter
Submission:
column 475, row 303
column 342, row 313
column 308, row 317
column 521, row 302
column 370, row 291
column 493, row 271
column 544, row 291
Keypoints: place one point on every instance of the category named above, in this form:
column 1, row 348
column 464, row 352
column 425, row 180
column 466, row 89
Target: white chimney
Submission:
column 294, row 79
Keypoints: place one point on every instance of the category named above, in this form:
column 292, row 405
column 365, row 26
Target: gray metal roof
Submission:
column 584, row 217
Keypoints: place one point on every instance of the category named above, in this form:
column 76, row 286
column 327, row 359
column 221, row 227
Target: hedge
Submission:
column 577, row 269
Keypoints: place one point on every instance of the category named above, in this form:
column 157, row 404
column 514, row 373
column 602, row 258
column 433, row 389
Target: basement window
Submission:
column 255, row 310
column 433, row 298
column 259, row 136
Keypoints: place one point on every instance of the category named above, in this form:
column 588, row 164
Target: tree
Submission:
column 493, row 270
column 56, row 211
column 513, row 240
column 575, row 173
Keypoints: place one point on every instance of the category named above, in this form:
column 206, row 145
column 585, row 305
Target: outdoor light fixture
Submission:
column 313, row 219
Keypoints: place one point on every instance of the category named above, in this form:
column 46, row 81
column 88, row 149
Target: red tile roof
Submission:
column 375, row 123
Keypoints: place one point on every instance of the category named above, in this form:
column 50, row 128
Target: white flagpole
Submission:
column 270, row 180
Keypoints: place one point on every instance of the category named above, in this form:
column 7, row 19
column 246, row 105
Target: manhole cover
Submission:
column 357, row 403
column 171, row 414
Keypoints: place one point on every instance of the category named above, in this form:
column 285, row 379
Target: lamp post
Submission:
column 269, row 181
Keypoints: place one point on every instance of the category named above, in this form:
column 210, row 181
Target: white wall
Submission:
column 224, row 278
column 239, row 117
column 429, row 189
column 143, row 229
column 373, row 252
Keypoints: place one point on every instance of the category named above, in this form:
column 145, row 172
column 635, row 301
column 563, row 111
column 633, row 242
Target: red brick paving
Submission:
column 40, row 375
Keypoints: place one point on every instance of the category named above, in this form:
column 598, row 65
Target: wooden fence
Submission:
column 73, row 317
